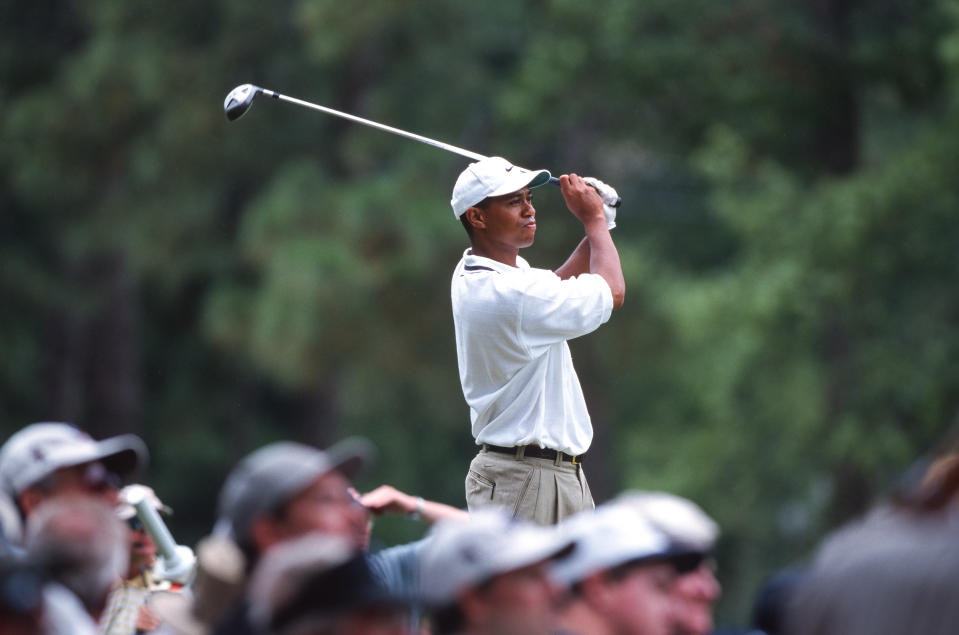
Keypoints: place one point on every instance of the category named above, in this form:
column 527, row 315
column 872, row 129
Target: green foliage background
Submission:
column 788, row 236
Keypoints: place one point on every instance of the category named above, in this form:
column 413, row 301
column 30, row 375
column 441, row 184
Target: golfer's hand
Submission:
column 582, row 199
column 610, row 199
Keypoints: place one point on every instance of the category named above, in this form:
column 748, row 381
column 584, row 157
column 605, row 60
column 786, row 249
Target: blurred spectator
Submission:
column 21, row 596
column 283, row 491
column 286, row 489
column 489, row 575
column 771, row 608
column 83, row 546
column 398, row 567
column 127, row 610
column 45, row 460
column 386, row 499
column 893, row 573
column 219, row 584
column 688, row 528
column 620, row 574
column 320, row 585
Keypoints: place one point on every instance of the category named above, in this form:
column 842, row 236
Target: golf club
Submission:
column 239, row 100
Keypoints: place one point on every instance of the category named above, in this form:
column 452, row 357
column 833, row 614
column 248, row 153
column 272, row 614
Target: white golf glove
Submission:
column 610, row 199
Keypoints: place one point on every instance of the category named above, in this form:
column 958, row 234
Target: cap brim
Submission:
column 683, row 560
column 125, row 455
column 351, row 456
column 520, row 179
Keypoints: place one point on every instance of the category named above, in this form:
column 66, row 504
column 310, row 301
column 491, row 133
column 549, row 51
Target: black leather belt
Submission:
column 536, row 452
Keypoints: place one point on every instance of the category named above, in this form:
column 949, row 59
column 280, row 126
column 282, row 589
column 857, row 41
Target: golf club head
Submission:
column 238, row 101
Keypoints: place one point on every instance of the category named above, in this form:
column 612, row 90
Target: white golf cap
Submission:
column 40, row 449
column 492, row 176
column 682, row 520
column 610, row 536
column 464, row 553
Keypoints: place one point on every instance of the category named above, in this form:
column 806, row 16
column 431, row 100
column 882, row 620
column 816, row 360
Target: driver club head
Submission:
column 239, row 100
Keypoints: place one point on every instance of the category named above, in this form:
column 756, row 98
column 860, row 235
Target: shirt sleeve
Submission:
column 553, row 309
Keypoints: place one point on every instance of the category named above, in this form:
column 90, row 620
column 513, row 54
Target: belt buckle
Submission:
column 574, row 461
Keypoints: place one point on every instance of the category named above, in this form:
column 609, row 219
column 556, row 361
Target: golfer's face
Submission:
column 511, row 219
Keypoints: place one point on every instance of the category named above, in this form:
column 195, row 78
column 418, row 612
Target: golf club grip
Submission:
column 555, row 181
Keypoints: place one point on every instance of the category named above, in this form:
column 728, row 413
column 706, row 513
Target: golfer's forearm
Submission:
column 577, row 263
column 604, row 261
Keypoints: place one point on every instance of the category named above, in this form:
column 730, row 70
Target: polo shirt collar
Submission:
column 472, row 262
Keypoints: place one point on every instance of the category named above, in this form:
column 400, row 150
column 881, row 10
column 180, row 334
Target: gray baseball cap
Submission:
column 40, row 449
column 462, row 553
column 270, row 476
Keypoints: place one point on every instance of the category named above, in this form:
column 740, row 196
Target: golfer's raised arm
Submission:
column 597, row 252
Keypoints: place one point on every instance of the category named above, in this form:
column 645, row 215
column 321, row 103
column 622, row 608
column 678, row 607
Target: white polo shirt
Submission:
column 512, row 324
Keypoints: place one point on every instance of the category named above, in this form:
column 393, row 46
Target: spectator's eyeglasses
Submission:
column 96, row 478
column 135, row 524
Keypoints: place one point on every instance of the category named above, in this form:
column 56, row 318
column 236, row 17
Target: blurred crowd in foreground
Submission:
column 85, row 548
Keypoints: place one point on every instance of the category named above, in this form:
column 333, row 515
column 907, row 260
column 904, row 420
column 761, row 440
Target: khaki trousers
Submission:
column 540, row 490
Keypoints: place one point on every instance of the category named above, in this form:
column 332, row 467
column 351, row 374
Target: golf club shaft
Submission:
column 379, row 126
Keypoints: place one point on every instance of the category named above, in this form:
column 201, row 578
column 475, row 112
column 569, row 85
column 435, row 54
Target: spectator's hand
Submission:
column 386, row 499
column 610, row 199
column 146, row 620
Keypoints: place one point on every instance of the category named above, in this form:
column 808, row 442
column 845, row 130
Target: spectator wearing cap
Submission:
column 46, row 460
column 489, row 575
column 319, row 585
column 285, row 490
column 127, row 610
column 620, row 575
column 687, row 527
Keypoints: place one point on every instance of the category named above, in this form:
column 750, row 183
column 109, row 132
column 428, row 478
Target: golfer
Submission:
column 512, row 323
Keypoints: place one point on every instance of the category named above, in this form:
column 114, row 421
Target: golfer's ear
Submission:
column 475, row 217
